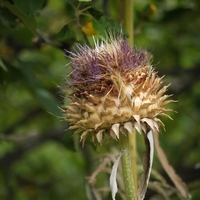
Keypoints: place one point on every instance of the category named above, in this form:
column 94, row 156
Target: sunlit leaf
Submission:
column 88, row 29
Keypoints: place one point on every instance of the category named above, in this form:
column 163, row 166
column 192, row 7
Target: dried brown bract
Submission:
column 114, row 89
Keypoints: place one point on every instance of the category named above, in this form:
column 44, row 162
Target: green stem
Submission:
column 128, row 20
column 126, row 168
column 129, row 27
column 133, row 156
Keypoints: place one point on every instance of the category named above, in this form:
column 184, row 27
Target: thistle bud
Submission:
column 114, row 90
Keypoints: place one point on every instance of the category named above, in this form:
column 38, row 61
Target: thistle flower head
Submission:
column 114, row 89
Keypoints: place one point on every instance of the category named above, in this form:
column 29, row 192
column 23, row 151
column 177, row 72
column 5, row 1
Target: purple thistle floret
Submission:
column 91, row 65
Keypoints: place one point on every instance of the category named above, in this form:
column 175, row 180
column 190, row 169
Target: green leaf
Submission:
column 29, row 7
column 28, row 75
column 48, row 101
column 95, row 13
column 29, row 21
column 65, row 34
column 3, row 66
column 7, row 18
column 8, row 73
column 45, row 98
column 104, row 25
column 84, row 0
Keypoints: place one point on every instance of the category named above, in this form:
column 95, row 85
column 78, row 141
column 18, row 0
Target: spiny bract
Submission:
column 114, row 89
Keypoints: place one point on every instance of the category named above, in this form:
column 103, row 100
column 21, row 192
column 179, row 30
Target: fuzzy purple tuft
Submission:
column 91, row 65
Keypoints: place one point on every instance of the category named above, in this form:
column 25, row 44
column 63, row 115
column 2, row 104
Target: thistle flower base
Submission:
column 118, row 92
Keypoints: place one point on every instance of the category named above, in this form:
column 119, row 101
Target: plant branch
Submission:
column 56, row 134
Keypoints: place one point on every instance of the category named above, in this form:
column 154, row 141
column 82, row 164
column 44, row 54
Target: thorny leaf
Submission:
column 147, row 165
column 180, row 185
column 113, row 176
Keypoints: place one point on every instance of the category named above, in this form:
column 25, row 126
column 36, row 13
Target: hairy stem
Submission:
column 133, row 157
column 129, row 27
column 126, row 167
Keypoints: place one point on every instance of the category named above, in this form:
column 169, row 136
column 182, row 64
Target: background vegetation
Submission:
column 38, row 159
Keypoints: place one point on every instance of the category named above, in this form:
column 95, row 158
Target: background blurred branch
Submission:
column 55, row 134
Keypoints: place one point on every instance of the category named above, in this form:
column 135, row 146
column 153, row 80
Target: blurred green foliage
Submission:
column 38, row 159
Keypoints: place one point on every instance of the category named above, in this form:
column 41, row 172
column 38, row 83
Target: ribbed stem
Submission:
column 126, row 168
column 133, row 157
column 129, row 27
